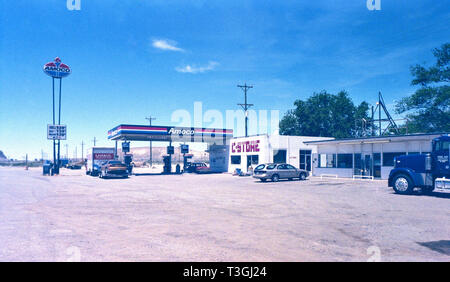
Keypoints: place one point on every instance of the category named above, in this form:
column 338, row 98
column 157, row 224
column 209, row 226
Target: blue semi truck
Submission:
column 429, row 172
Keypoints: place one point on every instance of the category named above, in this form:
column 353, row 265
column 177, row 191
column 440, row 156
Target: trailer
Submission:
column 96, row 157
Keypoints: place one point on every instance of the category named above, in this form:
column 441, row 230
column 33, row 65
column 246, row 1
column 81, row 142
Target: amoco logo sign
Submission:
column 181, row 131
column 57, row 69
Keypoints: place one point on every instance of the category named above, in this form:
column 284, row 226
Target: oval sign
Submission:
column 56, row 69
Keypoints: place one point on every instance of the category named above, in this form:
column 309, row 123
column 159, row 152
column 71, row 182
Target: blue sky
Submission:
column 132, row 58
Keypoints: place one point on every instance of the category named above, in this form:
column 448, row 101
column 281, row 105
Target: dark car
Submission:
column 74, row 166
column 113, row 169
column 275, row 172
column 197, row 168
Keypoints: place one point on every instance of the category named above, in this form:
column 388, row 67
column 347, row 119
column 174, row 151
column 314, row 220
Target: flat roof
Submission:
column 132, row 132
column 378, row 139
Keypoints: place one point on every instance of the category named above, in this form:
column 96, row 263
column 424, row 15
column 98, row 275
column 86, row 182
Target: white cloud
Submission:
column 197, row 69
column 165, row 44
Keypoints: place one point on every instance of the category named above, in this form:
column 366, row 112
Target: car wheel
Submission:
column 302, row 176
column 275, row 178
column 403, row 184
column 100, row 174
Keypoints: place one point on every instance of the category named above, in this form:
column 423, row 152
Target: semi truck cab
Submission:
column 428, row 172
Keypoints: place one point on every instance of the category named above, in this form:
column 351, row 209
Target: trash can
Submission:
column 46, row 169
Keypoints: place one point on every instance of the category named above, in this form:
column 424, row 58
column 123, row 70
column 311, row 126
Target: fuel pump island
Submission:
column 216, row 138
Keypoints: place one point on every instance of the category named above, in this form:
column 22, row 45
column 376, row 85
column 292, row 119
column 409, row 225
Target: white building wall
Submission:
column 267, row 145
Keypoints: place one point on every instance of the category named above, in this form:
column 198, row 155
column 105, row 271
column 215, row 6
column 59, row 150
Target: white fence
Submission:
column 354, row 177
column 328, row 175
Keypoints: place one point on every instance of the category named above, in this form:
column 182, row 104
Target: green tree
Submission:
column 324, row 114
column 428, row 109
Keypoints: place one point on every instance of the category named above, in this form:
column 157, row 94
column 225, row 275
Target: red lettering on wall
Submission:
column 245, row 147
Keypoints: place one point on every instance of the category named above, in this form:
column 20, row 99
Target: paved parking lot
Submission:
column 215, row 218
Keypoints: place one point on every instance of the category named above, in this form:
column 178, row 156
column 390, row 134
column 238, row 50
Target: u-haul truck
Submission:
column 96, row 157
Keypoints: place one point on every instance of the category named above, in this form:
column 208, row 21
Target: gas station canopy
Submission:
column 128, row 132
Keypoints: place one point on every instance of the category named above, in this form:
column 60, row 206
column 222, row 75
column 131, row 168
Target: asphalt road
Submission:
column 74, row 217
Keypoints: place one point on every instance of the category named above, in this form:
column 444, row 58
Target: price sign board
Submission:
column 56, row 132
column 184, row 149
column 126, row 147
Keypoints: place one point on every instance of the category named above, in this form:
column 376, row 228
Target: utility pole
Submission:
column 245, row 106
column 95, row 141
column 82, row 151
column 150, row 118
column 67, row 151
column 76, row 153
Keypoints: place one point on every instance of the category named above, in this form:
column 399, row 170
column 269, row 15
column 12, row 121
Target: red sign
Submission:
column 245, row 146
column 103, row 156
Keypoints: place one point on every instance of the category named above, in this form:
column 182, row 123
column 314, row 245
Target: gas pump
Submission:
column 167, row 164
column 168, row 159
column 128, row 159
column 186, row 162
column 185, row 150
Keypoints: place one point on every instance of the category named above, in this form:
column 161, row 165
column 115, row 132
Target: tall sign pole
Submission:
column 245, row 106
column 150, row 118
column 56, row 70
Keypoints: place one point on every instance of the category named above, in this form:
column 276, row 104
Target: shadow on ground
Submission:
column 442, row 246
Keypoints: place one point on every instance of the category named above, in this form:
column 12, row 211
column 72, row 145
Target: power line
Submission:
column 245, row 106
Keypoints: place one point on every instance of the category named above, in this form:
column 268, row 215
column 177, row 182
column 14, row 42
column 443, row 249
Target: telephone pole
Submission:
column 95, row 141
column 82, row 150
column 67, row 151
column 245, row 106
column 150, row 118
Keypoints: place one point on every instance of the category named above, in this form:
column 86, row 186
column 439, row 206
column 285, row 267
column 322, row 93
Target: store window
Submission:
column 279, row 156
column 235, row 159
column 327, row 160
column 345, row 160
column 254, row 159
column 388, row 158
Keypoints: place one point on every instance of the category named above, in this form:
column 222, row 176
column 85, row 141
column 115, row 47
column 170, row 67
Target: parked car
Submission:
column 113, row 169
column 275, row 172
column 198, row 168
column 74, row 166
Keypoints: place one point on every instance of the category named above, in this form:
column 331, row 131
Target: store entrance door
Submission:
column 367, row 165
column 305, row 160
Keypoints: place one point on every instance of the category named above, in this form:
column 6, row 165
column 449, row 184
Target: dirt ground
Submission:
column 74, row 217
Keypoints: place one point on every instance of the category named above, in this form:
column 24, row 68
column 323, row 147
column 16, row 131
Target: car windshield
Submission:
column 115, row 162
column 260, row 167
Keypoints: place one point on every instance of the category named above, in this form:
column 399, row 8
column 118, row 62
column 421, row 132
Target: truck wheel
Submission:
column 275, row 178
column 302, row 176
column 403, row 184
